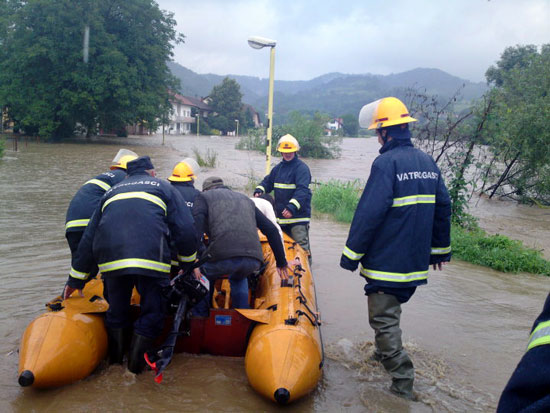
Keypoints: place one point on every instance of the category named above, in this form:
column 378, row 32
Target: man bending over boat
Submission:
column 230, row 219
column 87, row 198
column 128, row 236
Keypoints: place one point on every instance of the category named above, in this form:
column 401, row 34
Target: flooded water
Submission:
column 466, row 330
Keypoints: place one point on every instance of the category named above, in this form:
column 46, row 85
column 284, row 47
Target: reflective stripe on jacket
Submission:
column 131, row 229
column 527, row 389
column 402, row 221
column 290, row 182
column 87, row 198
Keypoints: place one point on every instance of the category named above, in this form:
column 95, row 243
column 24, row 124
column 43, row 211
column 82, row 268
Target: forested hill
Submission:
column 334, row 93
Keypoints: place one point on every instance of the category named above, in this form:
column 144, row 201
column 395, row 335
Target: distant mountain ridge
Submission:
column 332, row 93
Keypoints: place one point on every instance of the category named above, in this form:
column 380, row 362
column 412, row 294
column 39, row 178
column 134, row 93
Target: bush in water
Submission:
column 475, row 245
column 254, row 140
column 209, row 160
column 310, row 133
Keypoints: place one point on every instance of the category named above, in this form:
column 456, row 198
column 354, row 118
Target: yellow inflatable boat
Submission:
column 279, row 336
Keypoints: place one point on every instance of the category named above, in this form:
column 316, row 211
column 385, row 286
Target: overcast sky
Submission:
column 314, row 37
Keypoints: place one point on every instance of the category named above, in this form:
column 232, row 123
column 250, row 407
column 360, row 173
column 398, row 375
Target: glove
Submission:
column 348, row 264
column 258, row 191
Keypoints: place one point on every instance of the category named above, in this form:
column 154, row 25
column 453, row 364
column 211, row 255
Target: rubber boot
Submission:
column 116, row 344
column 384, row 317
column 140, row 344
column 403, row 388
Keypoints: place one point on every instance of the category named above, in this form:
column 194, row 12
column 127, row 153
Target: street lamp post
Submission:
column 237, row 133
column 198, row 123
column 257, row 42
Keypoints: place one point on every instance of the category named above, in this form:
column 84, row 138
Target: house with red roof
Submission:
column 185, row 111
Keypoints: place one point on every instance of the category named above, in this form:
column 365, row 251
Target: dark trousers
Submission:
column 153, row 304
column 73, row 239
column 238, row 269
column 300, row 234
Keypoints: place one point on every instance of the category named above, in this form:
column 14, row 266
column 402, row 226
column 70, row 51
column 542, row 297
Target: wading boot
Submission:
column 116, row 344
column 140, row 344
column 403, row 388
column 384, row 317
column 376, row 356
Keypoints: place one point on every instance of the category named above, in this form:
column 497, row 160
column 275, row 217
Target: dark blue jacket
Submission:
column 529, row 387
column 403, row 219
column 187, row 190
column 87, row 199
column 290, row 182
column 130, row 231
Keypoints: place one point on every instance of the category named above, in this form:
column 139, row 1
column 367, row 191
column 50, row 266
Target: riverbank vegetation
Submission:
column 471, row 244
column 500, row 145
column 2, row 143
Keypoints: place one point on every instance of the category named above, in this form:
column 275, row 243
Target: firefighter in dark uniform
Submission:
column 230, row 220
column 290, row 181
column 128, row 237
column 87, row 198
column 528, row 390
column 401, row 226
column 183, row 179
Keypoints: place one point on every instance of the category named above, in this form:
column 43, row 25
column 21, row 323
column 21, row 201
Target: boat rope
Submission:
column 303, row 300
column 315, row 323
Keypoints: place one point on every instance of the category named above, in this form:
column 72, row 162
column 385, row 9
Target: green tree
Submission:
column 310, row 133
column 350, row 124
column 512, row 58
column 248, row 117
column 50, row 88
column 226, row 103
column 519, row 129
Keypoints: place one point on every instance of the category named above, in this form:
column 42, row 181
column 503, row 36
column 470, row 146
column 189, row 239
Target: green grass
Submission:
column 497, row 252
column 340, row 199
column 337, row 198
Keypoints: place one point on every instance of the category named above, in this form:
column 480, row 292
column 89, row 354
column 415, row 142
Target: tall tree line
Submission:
column 51, row 82
column 500, row 146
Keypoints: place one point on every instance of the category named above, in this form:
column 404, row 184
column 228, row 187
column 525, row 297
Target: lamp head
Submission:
column 257, row 42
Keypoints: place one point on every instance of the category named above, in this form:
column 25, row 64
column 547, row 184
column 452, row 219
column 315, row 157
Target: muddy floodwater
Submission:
column 466, row 330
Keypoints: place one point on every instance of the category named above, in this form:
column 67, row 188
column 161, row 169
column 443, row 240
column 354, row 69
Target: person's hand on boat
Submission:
column 286, row 213
column 293, row 263
column 67, row 291
column 284, row 272
column 197, row 273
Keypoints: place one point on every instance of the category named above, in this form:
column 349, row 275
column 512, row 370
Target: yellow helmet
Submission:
column 384, row 112
column 122, row 158
column 184, row 171
column 288, row 143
